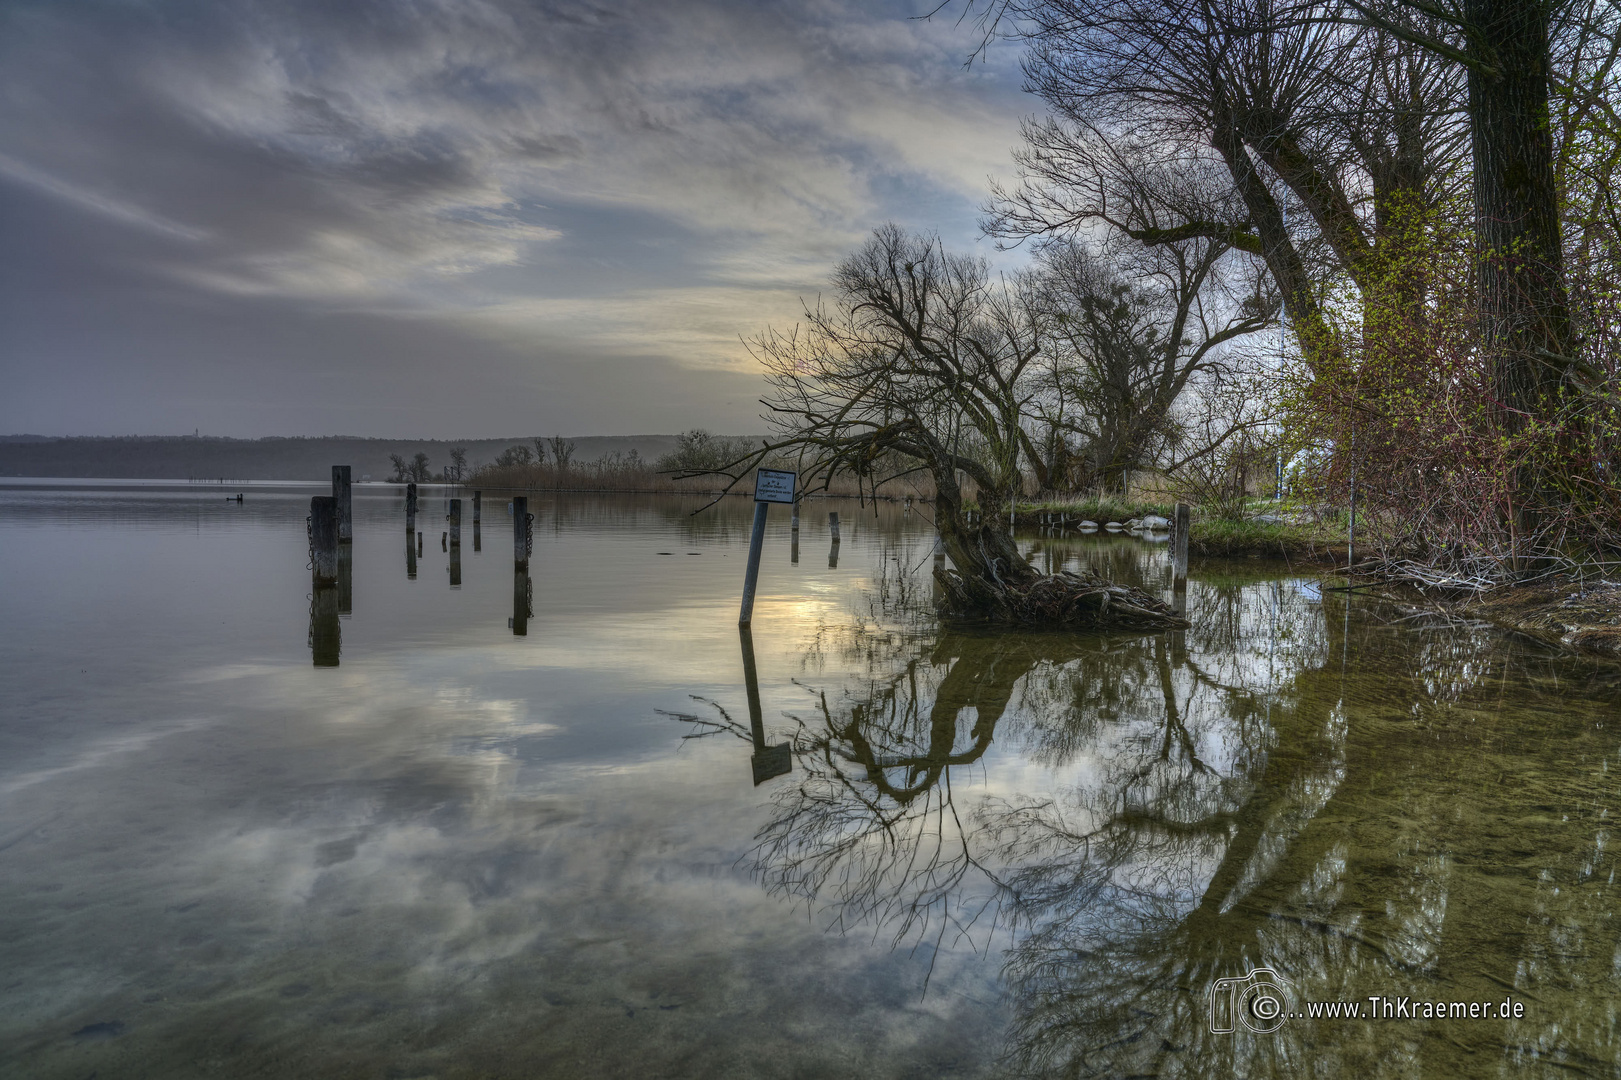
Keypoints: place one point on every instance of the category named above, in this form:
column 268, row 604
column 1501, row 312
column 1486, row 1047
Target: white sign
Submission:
column 774, row 486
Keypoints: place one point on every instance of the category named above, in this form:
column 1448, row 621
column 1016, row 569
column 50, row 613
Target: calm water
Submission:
column 463, row 851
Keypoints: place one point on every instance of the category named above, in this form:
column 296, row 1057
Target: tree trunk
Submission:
column 983, row 550
column 1524, row 315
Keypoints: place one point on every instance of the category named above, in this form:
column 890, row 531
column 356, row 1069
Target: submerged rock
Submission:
column 1088, row 526
column 1115, row 526
column 1154, row 521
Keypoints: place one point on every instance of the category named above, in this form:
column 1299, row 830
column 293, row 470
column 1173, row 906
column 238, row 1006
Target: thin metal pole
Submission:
column 752, row 574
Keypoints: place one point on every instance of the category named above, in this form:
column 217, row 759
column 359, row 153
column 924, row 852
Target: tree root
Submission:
column 1076, row 601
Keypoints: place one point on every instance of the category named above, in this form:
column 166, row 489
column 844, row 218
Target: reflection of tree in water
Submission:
column 1205, row 807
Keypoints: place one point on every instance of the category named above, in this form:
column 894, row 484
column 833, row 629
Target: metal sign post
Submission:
column 770, row 486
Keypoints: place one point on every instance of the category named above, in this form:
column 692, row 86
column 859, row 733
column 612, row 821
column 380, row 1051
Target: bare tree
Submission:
column 562, row 452
column 924, row 357
column 1133, row 328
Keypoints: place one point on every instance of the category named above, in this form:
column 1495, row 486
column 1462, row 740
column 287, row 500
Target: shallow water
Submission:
column 466, row 851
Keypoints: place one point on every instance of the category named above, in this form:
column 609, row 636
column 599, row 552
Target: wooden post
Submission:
column 767, row 761
column 752, row 574
column 455, row 523
column 520, row 530
column 793, row 523
column 410, row 509
column 340, row 492
column 324, row 541
column 1179, row 557
column 326, row 635
column 419, row 545
column 478, row 544
column 833, row 524
column 833, row 553
column 520, row 602
column 478, row 500
column 346, row 579
column 410, row 557
column 456, row 566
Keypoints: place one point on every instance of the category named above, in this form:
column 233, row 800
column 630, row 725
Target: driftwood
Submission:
column 1073, row 601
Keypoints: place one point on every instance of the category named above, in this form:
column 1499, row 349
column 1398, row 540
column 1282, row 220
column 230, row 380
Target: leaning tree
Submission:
column 925, row 363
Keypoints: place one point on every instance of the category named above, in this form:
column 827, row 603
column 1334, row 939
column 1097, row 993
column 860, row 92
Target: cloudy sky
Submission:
column 455, row 217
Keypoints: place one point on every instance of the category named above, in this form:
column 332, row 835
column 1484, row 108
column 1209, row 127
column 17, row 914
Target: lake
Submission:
column 467, row 822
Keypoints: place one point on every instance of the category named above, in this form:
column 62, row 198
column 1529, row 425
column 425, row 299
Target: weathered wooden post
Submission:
column 340, row 492
column 520, row 602
column 478, row 540
column 1179, row 558
column 419, row 545
column 326, row 635
column 346, row 579
column 324, row 541
column 456, row 566
column 521, row 542
column 455, row 518
column 833, row 524
column 1184, row 522
column 478, row 500
column 410, row 509
column 410, row 557
column 768, row 761
column 770, row 486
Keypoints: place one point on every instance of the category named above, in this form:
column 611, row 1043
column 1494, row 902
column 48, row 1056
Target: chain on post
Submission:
column 528, row 535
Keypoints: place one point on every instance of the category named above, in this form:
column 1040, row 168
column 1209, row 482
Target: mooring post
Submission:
column 456, row 566
column 346, row 579
column 326, row 636
column 410, row 557
column 478, row 544
column 478, row 500
column 520, row 602
column 1179, row 557
column 455, row 523
column 340, row 492
column 410, row 509
column 766, row 761
column 833, row 524
column 752, row 574
column 324, row 541
column 520, row 530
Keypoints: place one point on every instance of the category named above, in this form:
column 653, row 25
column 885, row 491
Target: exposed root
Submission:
column 1065, row 599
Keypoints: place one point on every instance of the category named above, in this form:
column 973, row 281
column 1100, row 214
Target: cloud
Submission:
column 639, row 176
